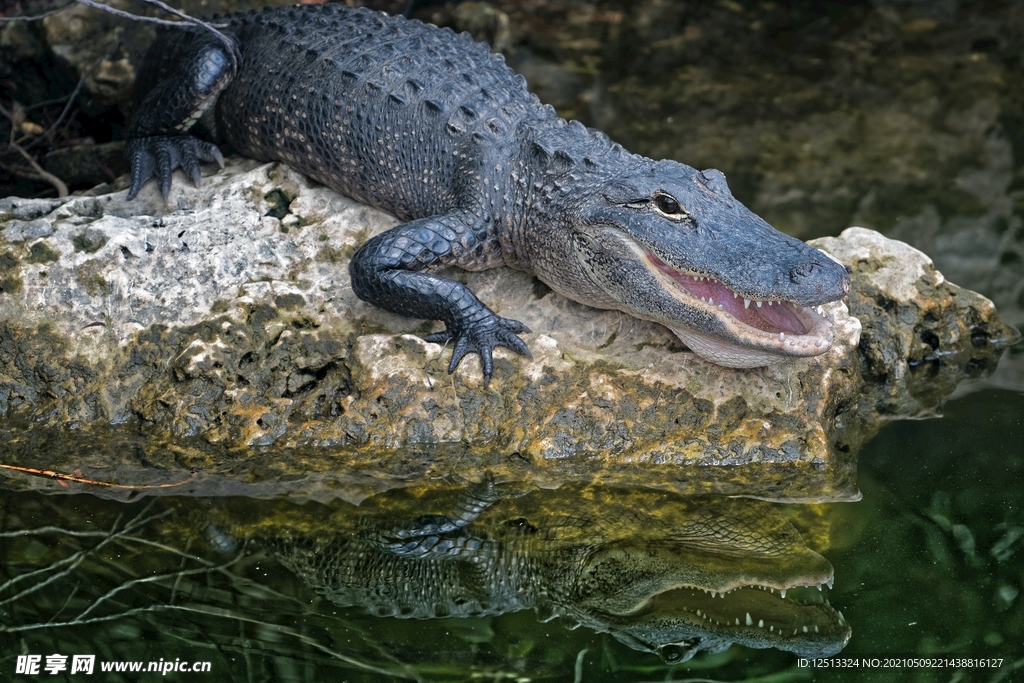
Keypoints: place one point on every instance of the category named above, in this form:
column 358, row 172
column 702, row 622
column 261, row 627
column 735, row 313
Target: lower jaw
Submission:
column 731, row 355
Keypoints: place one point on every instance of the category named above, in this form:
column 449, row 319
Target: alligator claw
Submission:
column 481, row 339
column 159, row 155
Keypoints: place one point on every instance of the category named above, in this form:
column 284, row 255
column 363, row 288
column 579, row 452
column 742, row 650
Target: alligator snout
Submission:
column 804, row 270
column 827, row 277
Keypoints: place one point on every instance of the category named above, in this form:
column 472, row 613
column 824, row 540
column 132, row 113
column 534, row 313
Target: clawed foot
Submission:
column 159, row 155
column 481, row 339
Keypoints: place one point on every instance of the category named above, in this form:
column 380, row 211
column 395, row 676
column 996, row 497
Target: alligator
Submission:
column 663, row 574
column 437, row 130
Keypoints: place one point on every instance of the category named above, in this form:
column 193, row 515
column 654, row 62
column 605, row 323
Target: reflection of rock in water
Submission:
column 662, row 574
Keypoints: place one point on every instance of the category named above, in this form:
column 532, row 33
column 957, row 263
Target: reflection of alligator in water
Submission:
column 660, row 573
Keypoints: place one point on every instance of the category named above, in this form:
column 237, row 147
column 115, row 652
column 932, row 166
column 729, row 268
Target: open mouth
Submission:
column 756, row 608
column 783, row 325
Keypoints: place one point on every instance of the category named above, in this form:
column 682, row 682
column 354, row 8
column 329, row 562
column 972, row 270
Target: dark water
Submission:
column 928, row 564
column 906, row 117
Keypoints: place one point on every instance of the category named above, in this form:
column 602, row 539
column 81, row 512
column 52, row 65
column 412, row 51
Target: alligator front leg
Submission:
column 387, row 272
column 158, row 139
column 445, row 536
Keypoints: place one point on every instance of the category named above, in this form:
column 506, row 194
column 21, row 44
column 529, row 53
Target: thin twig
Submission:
column 62, row 189
column 127, row 15
column 36, row 17
column 52, row 530
column 166, row 548
column 53, row 474
column 67, row 601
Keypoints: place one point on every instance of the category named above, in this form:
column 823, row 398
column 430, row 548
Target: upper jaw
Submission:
column 752, row 332
column 754, row 615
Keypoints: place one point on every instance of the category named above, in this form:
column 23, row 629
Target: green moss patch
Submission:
column 89, row 241
column 278, row 203
column 10, row 279
column 40, row 252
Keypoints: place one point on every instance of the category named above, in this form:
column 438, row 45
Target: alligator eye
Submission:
column 674, row 653
column 668, row 205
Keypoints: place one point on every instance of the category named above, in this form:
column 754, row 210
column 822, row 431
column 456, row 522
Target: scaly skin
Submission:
column 435, row 129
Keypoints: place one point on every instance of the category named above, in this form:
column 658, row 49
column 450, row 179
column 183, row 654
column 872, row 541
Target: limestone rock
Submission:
column 220, row 331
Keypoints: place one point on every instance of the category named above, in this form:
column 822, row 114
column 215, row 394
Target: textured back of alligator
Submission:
column 384, row 109
column 359, row 571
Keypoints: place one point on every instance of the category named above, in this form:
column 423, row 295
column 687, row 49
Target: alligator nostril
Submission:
column 804, row 270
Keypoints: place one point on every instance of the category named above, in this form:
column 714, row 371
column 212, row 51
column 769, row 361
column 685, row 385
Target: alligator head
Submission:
column 701, row 574
column 676, row 601
column 668, row 243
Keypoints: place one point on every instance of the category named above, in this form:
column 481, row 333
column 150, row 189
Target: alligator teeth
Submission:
column 746, row 303
column 737, row 621
column 816, row 628
column 806, row 630
column 759, row 304
column 841, row 619
column 769, row 303
column 750, row 622
column 830, row 581
column 760, row 623
column 782, row 592
column 782, row 336
column 711, row 300
column 818, row 344
column 720, row 307
column 819, row 585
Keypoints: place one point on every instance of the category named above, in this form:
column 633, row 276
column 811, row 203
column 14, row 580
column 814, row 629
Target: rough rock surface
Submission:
column 219, row 331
